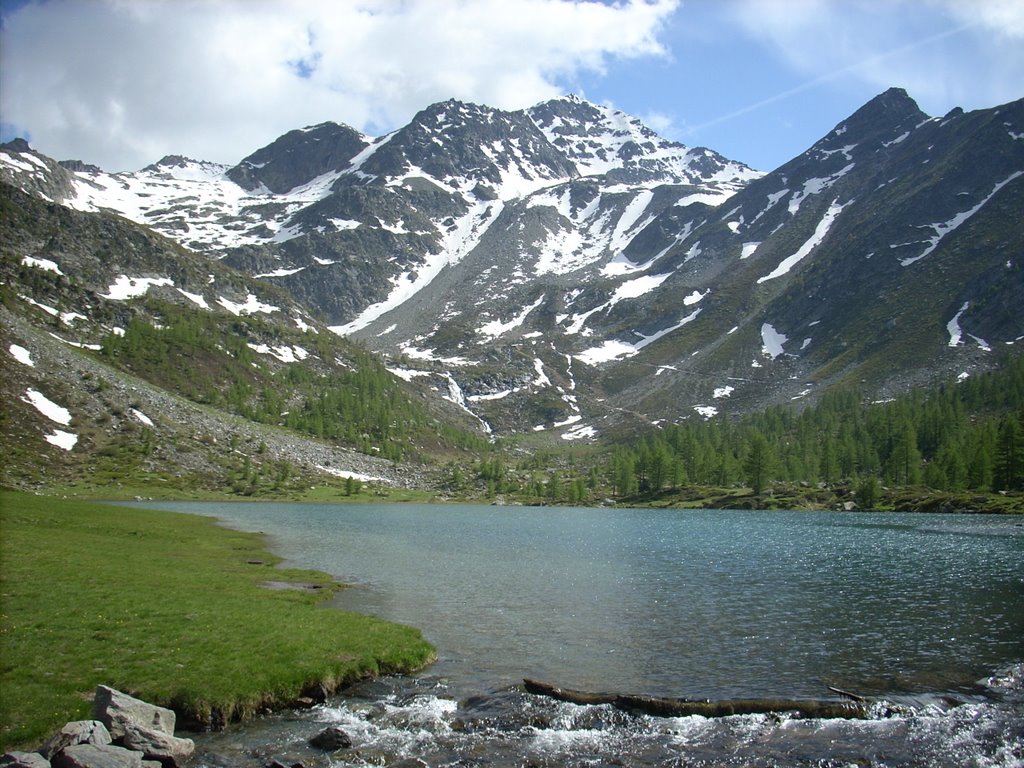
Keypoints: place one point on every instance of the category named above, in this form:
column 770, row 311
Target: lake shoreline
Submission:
column 175, row 608
column 778, row 497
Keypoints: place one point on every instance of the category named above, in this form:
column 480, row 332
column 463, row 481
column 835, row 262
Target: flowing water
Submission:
column 925, row 614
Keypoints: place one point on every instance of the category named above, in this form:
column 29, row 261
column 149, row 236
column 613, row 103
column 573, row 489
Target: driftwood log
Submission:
column 668, row 707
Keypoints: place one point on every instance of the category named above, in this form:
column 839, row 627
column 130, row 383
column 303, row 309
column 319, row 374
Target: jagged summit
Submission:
column 175, row 162
column 887, row 115
column 17, row 145
column 298, row 157
column 464, row 146
column 602, row 140
column 893, row 101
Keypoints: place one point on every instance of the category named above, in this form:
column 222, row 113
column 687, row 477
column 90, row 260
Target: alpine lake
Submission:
column 921, row 614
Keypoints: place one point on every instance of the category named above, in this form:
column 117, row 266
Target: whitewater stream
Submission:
column 923, row 614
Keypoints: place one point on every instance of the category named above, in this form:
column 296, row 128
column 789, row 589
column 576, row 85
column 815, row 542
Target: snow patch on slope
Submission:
column 496, row 328
column 44, row 264
column 943, row 228
column 22, row 355
column 815, row 186
column 772, row 341
column 812, row 242
column 613, row 349
column 125, row 287
column 462, row 239
column 55, row 413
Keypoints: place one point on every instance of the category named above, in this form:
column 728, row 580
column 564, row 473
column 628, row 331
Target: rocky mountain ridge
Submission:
column 563, row 270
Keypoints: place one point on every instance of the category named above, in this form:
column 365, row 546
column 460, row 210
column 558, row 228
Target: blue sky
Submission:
column 121, row 83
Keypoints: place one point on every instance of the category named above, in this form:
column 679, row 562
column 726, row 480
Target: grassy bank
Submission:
column 170, row 607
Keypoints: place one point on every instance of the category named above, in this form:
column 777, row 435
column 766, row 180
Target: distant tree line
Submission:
column 954, row 437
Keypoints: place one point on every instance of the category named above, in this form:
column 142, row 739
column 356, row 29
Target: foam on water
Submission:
column 403, row 718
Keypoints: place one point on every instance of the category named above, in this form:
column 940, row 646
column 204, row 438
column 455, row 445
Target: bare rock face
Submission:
column 114, row 709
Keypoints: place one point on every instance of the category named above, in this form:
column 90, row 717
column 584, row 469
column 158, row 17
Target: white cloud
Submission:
column 944, row 52
column 121, row 82
column 660, row 123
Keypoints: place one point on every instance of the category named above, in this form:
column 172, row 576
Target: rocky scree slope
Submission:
column 130, row 359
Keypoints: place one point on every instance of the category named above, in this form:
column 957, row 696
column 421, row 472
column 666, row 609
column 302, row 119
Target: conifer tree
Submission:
column 758, row 462
column 1009, row 456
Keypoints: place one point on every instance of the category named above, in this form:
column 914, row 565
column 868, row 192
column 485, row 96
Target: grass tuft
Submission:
column 168, row 607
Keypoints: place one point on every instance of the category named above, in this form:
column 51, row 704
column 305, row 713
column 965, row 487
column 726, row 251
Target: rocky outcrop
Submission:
column 119, row 712
column 127, row 733
column 23, row 760
column 165, row 748
column 79, row 732
column 94, row 756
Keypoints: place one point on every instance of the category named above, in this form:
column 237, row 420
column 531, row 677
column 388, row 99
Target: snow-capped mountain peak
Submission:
column 545, row 256
column 601, row 140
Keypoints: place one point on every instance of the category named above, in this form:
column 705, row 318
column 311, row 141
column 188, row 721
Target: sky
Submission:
column 121, row 83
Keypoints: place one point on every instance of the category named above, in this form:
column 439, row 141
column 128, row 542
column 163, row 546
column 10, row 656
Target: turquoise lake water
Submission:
column 715, row 604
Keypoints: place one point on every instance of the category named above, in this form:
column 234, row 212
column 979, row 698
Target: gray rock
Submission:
column 115, row 709
column 156, row 745
column 78, row 732
column 331, row 739
column 93, row 756
column 23, row 760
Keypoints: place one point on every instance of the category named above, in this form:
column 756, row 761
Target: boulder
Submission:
column 317, row 692
column 94, row 756
column 114, row 709
column 23, row 760
column 78, row 732
column 157, row 745
column 331, row 739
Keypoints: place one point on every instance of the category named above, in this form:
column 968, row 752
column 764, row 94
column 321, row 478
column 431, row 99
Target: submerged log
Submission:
column 669, row 707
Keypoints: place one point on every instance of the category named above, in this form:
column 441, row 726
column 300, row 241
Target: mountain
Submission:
column 130, row 360
column 562, row 271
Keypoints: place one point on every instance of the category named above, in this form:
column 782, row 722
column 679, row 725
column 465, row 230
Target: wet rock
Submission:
column 412, row 762
column 78, row 732
column 115, row 709
column 318, row 692
column 169, row 750
column 23, row 760
column 94, row 756
column 331, row 739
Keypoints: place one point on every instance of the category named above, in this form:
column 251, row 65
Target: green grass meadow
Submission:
column 168, row 607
